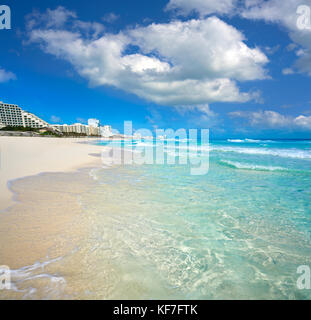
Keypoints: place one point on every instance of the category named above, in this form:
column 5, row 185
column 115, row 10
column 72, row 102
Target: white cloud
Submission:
column 303, row 121
column 52, row 18
column 280, row 12
column 196, row 50
column 59, row 18
column 178, row 63
column 273, row 120
column 110, row 17
column 284, row 13
column 203, row 7
column 287, row 71
column 6, row 76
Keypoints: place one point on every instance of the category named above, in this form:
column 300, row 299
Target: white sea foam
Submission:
column 235, row 140
column 248, row 140
column 249, row 166
column 33, row 272
column 277, row 152
column 284, row 153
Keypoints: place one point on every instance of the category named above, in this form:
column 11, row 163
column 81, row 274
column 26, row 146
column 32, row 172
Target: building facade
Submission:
column 94, row 127
column 78, row 128
column 106, row 131
column 13, row 116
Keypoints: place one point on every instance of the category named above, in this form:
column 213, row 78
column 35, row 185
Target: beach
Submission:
column 23, row 157
column 36, row 218
column 76, row 229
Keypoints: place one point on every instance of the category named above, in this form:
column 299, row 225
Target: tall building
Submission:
column 94, row 127
column 31, row 120
column 13, row 116
column 106, row 131
column 93, row 123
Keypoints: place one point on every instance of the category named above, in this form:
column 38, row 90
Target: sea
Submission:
column 241, row 230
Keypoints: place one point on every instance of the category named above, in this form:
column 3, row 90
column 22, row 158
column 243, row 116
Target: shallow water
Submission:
column 155, row 231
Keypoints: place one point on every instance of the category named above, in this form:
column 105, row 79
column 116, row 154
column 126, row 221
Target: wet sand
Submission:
column 40, row 216
column 40, row 232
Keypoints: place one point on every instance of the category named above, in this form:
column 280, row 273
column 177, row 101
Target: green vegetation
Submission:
column 74, row 135
column 19, row 129
column 47, row 133
column 50, row 134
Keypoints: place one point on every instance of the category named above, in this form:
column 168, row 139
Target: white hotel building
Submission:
column 93, row 128
column 13, row 116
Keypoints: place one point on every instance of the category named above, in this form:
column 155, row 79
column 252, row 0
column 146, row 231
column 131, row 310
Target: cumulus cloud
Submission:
column 284, row 13
column 59, row 18
column 303, row 121
column 6, row 76
column 273, row 120
column 51, row 18
column 280, row 12
column 287, row 71
column 203, row 7
column 110, row 17
column 178, row 63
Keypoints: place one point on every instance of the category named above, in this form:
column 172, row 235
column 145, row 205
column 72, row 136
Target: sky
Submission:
column 241, row 68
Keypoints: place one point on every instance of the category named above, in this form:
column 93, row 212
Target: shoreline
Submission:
column 22, row 158
column 42, row 231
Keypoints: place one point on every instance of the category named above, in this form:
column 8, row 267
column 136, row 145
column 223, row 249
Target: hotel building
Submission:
column 78, row 128
column 94, row 127
column 13, row 116
column 106, row 131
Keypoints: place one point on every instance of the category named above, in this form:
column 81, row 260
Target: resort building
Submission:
column 73, row 128
column 31, row 120
column 93, row 123
column 106, row 131
column 94, row 127
column 12, row 115
column 79, row 128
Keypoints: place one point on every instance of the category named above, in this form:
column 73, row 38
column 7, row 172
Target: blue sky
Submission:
column 240, row 68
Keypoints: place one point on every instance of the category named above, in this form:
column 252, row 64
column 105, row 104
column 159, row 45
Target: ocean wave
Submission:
column 248, row 166
column 284, row 153
column 33, row 272
column 293, row 153
column 248, row 140
column 235, row 140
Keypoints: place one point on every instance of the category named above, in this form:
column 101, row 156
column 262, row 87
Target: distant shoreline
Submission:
column 30, row 134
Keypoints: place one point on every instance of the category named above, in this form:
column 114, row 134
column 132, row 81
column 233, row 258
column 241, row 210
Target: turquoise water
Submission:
column 238, row 232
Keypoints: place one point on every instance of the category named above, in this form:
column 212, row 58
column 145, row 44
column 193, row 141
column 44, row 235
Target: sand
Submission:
column 22, row 157
column 40, row 215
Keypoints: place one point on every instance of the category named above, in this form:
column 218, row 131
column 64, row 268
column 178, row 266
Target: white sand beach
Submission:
column 22, row 157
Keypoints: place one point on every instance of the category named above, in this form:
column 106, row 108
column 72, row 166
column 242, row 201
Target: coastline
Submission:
column 41, row 219
column 133, row 232
column 22, row 157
